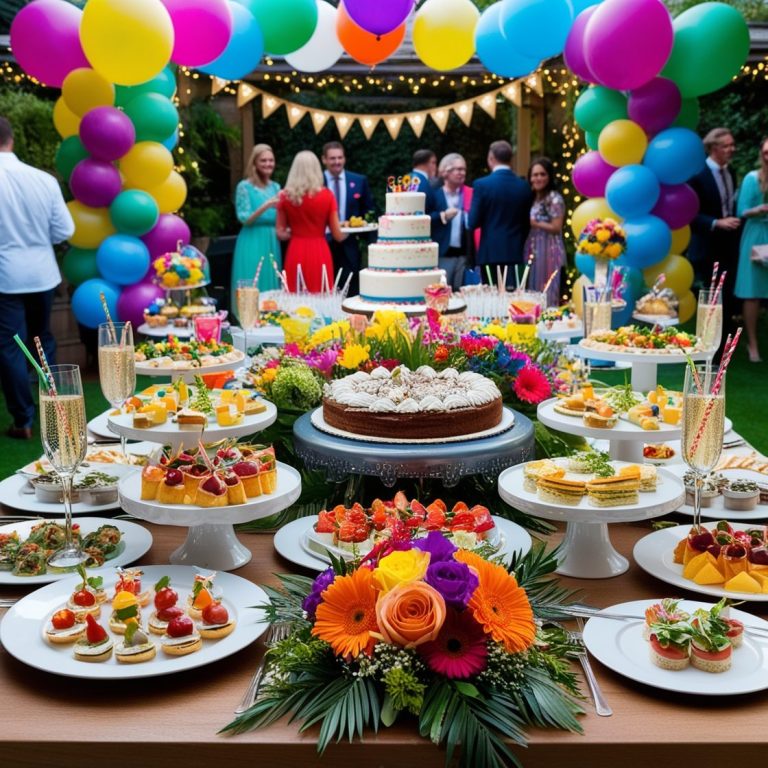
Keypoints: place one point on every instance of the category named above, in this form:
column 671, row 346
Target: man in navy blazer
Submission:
column 425, row 170
column 501, row 206
column 353, row 198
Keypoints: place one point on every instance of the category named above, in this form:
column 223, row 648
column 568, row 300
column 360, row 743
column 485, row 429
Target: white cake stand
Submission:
column 211, row 541
column 586, row 551
column 188, row 373
column 160, row 331
column 357, row 306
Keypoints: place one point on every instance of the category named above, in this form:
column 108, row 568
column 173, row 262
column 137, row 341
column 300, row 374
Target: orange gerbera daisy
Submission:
column 499, row 604
column 347, row 614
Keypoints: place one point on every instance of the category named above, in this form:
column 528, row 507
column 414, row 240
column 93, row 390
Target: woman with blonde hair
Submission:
column 255, row 203
column 306, row 208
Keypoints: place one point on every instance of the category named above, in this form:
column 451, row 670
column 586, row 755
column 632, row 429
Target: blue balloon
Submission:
column 536, row 28
column 648, row 242
column 244, row 49
column 581, row 5
column 585, row 264
column 635, row 288
column 172, row 141
column 675, row 155
column 122, row 259
column 632, row 191
column 86, row 301
column 494, row 50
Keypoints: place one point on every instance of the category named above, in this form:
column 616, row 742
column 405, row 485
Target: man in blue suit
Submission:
column 425, row 170
column 501, row 206
column 353, row 198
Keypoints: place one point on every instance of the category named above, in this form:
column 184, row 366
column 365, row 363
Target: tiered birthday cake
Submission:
column 404, row 260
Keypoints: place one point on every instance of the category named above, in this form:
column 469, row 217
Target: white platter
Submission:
column 359, row 230
column 357, row 305
column 146, row 369
column 664, row 321
column 653, row 553
column 161, row 331
column 98, row 453
column 291, row 542
column 134, row 543
column 560, row 330
column 640, row 356
column 621, row 647
column 21, row 631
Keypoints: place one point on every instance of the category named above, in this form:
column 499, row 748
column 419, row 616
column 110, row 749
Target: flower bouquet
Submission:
column 183, row 268
column 605, row 240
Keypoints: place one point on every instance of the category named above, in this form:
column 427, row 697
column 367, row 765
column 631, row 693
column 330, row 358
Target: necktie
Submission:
column 726, row 193
column 337, row 194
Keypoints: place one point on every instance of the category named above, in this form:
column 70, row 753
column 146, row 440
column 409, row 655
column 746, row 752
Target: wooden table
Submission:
column 172, row 720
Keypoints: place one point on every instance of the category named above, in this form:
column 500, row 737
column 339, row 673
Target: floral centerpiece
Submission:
column 185, row 267
column 605, row 240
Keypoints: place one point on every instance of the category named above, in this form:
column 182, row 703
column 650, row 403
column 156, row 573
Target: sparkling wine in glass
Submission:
column 247, row 298
column 709, row 319
column 63, row 434
column 117, row 365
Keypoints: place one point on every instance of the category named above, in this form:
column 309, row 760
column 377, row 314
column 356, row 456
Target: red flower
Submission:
column 531, row 385
column 441, row 353
column 460, row 650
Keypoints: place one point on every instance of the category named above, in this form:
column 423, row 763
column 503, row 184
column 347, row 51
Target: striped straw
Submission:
column 715, row 270
column 46, row 368
column 727, row 355
column 104, row 304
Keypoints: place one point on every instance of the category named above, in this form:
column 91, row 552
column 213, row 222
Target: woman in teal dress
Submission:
column 255, row 204
column 752, row 278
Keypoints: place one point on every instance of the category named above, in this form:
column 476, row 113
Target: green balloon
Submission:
column 79, row 265
column 153, row 115
column 711, row 44
column 689, row 114
column 134, row 212
column 70, row 152
column 598, row 106
column 286, row 24
column 164, row 84
column 592, row 138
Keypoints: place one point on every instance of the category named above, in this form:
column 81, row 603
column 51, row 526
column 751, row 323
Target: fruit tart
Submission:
column 152, row 477
column 248, row 472
column 136, row 646
column 181, row 637
column 235, row 487
column 96, row 646
column 212, row 492
column 216, row 622
column 172, row 490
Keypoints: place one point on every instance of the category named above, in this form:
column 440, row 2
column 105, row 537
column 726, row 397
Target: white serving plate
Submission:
column 145, row 368
column 359, row 230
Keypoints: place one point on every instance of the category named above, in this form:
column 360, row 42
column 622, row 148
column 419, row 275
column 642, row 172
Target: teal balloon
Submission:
column 153, row 116
column 79, row 265
column 286, row 25
column 134, row 212
column 70, row 152
column 163, row 83
column 597, row 106
column 689, row 114
column 711, row 45
column 592, row 139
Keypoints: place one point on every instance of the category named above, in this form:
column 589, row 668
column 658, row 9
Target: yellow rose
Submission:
column 353, row 355
column 269, row 375
column 387, row 317
column 495, row 330
column 400, row 568
column 170, row 279
column 612, row 250
column 602, row 235
column 410, row 614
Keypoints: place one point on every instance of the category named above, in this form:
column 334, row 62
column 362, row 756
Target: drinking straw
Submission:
column 715, row 270
column 504, row 276
column 104, row 304
column 336, row 281
column 488, row 273
column 52, row 388
column 659, row 282
column 517, row 277
column 258, row 269
column 549, row 280
column 694, row 373
column 713, row 304
column 719, row 287
column 346, row 285
column 324, row 281
column 300, row 283
column 28, row 355
column 525, row 275
column 726, row 359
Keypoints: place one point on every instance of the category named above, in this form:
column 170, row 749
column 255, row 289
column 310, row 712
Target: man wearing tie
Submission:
column 353, row 198
column 425, row 172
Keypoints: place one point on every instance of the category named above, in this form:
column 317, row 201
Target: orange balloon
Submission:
column 364, row 46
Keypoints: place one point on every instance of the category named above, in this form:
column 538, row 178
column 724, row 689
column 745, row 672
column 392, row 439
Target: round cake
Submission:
column 405, row 404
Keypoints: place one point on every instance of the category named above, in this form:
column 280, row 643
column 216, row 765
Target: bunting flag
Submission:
column 417, row 123
column 464, row 111
column 319, row 119
column 343, row 123
column 487, row 103
column 218, row 84
column 440, row 117
column 295, row 113
column 394, row 123
column 246, row 93
column 368, row 123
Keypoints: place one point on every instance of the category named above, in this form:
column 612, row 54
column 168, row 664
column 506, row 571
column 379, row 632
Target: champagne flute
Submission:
column 117, row 366
column 63, row 434
column 703, row 426
column 709, row 319
column 247, row 298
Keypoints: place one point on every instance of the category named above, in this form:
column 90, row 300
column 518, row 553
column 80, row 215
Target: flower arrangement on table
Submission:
column 184, row 268
column 419, row 627
column 603, row 239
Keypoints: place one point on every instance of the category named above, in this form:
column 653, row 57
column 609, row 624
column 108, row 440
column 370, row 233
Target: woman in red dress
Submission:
column 305, row 210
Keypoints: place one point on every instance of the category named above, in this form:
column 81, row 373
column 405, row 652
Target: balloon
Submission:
column 675, row 155
column 711, row 44
column 680, row 239
column 689, row 114
column 632, row 191
column 282, row 36
column 648, row 241
column 573, row 53
column 622, row 142
column 165, row 235
column 146, row 165
column 585, row 264
column 598, row 106
column 86, row 301
column 444, row 33
column 536, row 29
column 323, row 49
column 677, row 205
column 577, row 293
column 201, row 30
column 135, row 299
column 107, row 133
column 493, row 48
column 171, row 194
column 84, row 89
column 153, row 116
column 163, row 83
column 95, row 182
column 127, row 41
column 92, row 225
column 245, row 46
column 634, row 289
column 592, row 139
column 655, row 105
column 627, row 42
column 579, row 6
column 590, row 174
column 594, row 208
column 66, row 122
column 45, row 39
column 363, row 46
column 678, row 273
column 122, row 259
column 378, row 18
column 79, row 265
column 134, row 212
column 172, row 141
column 70, row 152
column 686, row 308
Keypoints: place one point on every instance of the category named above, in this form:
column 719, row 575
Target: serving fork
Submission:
column 601, row 705
column 275, row 634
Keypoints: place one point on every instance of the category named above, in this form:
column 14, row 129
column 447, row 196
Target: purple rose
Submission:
column 314, row 598
column 453, row 580
column 437, row 545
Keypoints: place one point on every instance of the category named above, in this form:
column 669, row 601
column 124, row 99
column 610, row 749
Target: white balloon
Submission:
column 323, row 49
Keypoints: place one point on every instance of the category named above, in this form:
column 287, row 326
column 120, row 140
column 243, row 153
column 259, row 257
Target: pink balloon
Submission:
column 95, row 182
column 627, row 42
column 134, row 299
column 201, row 30
column 45, row 37
column 591, row 173
column 573, row 53
column 655, row 105
column 677, row 205
column 165, row 235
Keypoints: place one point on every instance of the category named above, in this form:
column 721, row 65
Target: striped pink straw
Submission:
column 715, row 270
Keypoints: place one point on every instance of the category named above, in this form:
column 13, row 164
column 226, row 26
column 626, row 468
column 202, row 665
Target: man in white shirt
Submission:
column 33, row 216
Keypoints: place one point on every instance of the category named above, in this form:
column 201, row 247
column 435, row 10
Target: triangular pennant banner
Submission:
column 464, row 111
column 245, row 93
column 394, row 123
column 295, row 113
column 440, row 116
column 534, row 82
column 512, row 92
column 218, row 84
column 269, row 104
column 417, row 122
column 319, row 119
column 343, row 124
column 487, row 103
column 368, row 123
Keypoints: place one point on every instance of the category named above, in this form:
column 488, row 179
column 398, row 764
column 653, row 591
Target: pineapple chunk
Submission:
column 743, row 582
column 697, row 563
column 672, row 414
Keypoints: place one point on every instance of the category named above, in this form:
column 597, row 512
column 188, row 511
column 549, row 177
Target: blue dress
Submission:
column 751, row 278
column 257, row 240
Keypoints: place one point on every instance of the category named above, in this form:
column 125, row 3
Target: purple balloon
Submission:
column 627, row 42
column 45, row 37
column 95, row 182
column 655, row 105
column 591, row 173
column 378, row 18
column 201, row 30
column 573, row 53
column 677, row 205
column 165, row 235
column 107, row 133
column 134, row 299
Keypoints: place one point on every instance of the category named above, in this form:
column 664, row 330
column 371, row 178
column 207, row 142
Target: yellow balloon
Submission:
column 127, row 41
column 687, row 307
column 84, row 88
column 577, row 294
column 171, row 194
column 147, row 164
column 444, row 33
column 677, row 271
column 680, row 239
column 66, row 122
column 594, row 208
column 622, row 142
column 92, row 225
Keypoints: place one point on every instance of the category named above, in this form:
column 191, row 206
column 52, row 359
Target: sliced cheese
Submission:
column 709, row 574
